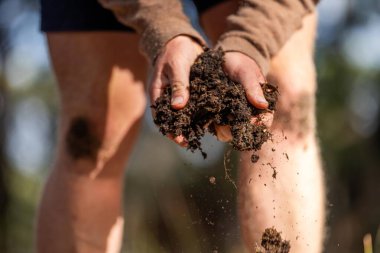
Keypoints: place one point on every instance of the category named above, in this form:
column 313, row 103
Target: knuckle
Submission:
column 235, row 71
column 178, row 86
column 252, row 89
column 173, row 63
column 256, row 89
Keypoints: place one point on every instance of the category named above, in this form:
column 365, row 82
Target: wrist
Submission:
column 241, row 45
column 185, row 39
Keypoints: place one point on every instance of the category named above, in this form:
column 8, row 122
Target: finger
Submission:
column 265, row 119
column 250, row 78
column 255, row 95
column 155, row 92
column 180, row 140
column 223, row 133
column 179, row 80
column 253, row 90
column 158, row 83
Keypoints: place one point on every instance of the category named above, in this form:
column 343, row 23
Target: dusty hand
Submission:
column 173, row 68
column 244, row 70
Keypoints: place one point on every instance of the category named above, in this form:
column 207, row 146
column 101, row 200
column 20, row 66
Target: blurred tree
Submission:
column 3, row 166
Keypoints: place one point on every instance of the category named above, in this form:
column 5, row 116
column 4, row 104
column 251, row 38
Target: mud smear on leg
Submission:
column 215, row 100
column 297, row 117
column 81, row 141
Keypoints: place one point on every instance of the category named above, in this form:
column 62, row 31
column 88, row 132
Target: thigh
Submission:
column 213, row 19
column 101, row 85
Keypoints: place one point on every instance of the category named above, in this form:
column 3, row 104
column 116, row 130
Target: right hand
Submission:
column 172, row 68
column 245, row 70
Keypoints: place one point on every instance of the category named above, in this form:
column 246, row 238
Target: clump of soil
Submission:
column 214, row 100
column 271, row 242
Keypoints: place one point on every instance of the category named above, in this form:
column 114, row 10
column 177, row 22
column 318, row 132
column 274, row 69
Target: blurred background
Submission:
column 202, row 217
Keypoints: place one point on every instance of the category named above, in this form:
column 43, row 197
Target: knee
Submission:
column 96, row 145
column 297, row 116
column 293, row 70
column 82, row 139
column 295, row 112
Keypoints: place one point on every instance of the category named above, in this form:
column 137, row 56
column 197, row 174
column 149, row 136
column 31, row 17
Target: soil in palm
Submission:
column 215, row 99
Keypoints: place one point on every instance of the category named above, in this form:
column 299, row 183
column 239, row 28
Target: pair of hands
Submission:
column 173, row 68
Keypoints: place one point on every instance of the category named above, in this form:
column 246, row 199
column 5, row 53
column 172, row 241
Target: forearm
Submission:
column 156, row 21
column 261, row 27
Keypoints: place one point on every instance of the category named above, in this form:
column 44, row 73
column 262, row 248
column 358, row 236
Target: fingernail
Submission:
column 261, row 100
column 177, row 100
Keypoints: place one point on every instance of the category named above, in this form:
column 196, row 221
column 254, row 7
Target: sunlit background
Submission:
column 203, row 217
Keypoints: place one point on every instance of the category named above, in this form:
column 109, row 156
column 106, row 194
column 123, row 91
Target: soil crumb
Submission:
column 214, row 100
column 274, row 174
column 271, row 242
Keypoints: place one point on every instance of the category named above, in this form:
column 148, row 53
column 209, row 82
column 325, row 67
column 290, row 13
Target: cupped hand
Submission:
column 244, row 70
column 172, row 67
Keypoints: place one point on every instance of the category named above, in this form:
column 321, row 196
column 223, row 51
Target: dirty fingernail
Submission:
column 177, row 100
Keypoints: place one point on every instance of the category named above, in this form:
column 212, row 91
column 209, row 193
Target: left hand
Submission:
column 173, row 68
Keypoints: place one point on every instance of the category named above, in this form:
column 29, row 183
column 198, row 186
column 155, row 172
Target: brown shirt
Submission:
column 258, row 29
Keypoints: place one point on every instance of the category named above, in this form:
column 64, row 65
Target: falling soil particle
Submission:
column 254, row 158
column 271, row 242
column 227, row 170
column 214, row 100
column 274, row 174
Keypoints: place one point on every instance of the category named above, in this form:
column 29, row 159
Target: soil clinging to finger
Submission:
column 214, row 100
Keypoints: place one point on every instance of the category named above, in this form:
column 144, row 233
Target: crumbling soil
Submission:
column 214, row 100
column 271, row 242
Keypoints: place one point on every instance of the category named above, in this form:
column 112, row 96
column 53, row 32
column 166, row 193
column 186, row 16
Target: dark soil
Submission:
column 271, row 242
column 214, row 100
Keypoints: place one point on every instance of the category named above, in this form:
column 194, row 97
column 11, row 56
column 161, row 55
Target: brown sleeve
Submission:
column 261, row 27
column 157, row 22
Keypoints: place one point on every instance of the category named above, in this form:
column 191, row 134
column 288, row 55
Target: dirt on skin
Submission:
column 214, row 100
column 81, row 141
column 271, row 242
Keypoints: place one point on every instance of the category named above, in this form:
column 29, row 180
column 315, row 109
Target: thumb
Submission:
column 251, row 83
column 244, row 70
column 179, row 82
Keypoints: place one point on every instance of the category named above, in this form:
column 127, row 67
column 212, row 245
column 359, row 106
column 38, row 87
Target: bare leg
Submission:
column 293, row 202
column 102, row 97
